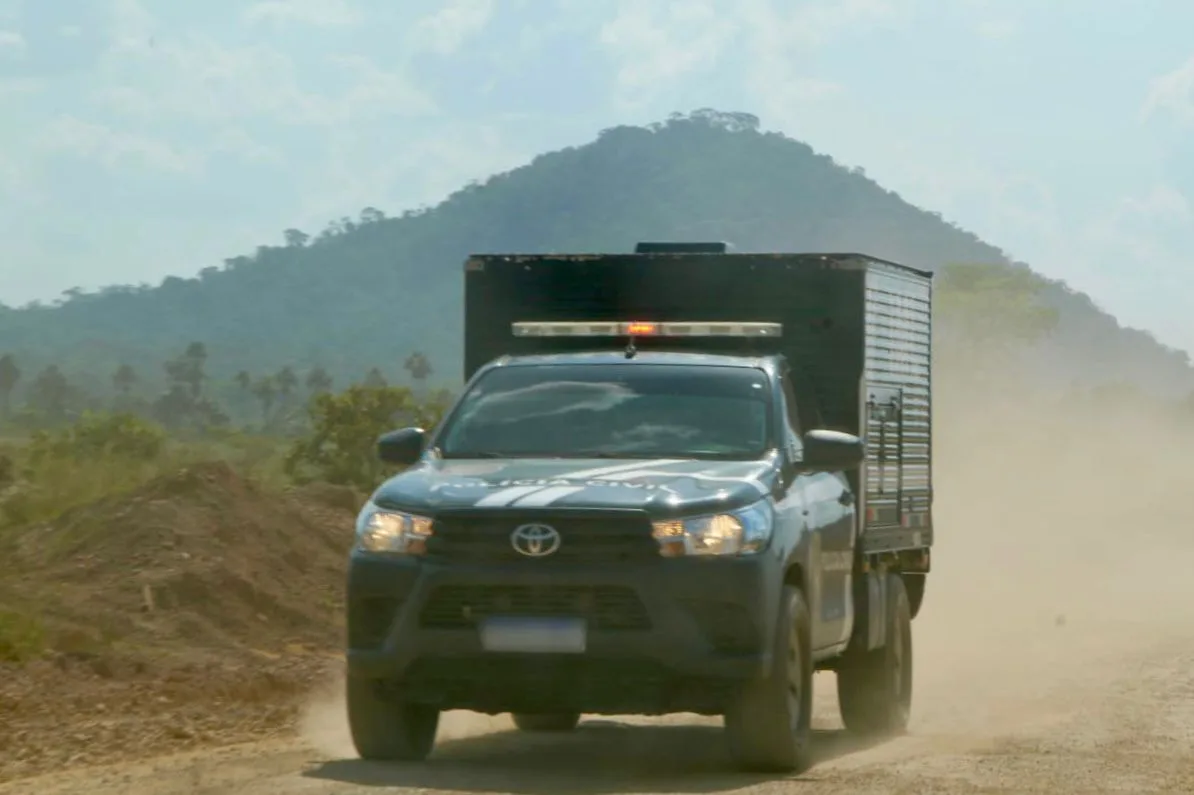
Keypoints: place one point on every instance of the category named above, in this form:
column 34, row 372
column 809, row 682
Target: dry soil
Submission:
column 1055, row 652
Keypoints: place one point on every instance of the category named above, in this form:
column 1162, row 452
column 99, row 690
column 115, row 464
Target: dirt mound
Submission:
column 199, row 609
column 200, row 560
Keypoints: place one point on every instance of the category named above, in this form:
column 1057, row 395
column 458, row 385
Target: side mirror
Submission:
column 401, row 447
column 829, row 451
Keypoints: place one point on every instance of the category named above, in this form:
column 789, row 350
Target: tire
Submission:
column 385, row 729
column 769, row 724
column 874, row 688
column 553, row 722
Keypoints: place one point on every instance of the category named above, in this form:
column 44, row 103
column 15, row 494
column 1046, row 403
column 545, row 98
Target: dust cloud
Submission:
column 323, row 724
column 1063, row 526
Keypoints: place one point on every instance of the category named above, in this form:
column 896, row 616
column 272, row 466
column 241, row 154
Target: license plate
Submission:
column 534, row 635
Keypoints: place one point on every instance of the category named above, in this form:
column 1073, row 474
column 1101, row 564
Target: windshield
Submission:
column 614, row 410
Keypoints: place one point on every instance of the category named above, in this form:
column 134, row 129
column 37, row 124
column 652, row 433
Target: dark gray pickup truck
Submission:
column 679, row 480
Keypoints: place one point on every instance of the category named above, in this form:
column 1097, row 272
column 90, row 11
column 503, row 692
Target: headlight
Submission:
column 742, row 532
column 392, row 532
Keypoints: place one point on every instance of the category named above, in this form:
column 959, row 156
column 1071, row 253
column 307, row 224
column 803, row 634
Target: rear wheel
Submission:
column 769, row 725
column 550, row 722
column 388, row 729
column 874, row 688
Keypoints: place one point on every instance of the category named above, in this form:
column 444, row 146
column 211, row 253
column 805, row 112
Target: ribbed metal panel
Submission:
column 897, row 404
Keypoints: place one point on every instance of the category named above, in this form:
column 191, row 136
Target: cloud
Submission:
column 12, row 45
column 656, row 46
column 320, row 13
column 989, row 18
column 130, row 25
column 781, row 42
column 236, row 141
column 362, row 169
column 114, row 148
column 12, row 86
column 819, row 23
column 446, row 31
column 1172, row 94
column 200, row 79
column 997, row 28
column 1145, row 235
column 769, row 46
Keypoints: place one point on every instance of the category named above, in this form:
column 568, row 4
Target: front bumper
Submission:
column 669, row 635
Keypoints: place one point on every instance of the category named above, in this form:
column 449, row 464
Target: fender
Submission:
column 799, row 546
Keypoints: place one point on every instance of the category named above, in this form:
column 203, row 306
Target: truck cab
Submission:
column 640, row 515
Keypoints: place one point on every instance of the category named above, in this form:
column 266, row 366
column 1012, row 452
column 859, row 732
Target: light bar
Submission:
column 643, row 328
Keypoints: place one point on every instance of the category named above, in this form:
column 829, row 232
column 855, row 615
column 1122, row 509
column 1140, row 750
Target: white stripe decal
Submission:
column 505, row 496
column 758, row 484
column 609, row 470
column 547, row 496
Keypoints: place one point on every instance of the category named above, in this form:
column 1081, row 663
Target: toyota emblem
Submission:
column 535, row 540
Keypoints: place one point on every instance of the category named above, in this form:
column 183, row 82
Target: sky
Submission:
column 146, row 138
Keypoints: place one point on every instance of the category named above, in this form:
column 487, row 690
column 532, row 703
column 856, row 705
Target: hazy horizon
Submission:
column 145, row 141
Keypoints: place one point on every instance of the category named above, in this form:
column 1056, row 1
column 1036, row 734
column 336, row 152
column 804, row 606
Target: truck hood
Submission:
column 662, row 487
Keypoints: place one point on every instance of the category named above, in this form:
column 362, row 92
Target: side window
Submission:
column 793, row 430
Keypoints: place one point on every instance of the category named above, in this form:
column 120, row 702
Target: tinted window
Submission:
column 631, row 410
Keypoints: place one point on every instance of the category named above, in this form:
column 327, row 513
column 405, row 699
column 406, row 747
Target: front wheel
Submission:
column 550, row 722
column 769, row 725
column 388, row 729
column 874, row 688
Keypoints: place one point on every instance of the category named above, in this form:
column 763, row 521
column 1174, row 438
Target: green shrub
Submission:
column 341, row 447
column 100, row 455
column 100, row 436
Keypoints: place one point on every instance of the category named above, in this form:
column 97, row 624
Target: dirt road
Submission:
column 1133, row 736
column 1102, row 702
column 1055, row 654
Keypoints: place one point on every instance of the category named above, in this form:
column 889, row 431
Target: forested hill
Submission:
column 368, row 291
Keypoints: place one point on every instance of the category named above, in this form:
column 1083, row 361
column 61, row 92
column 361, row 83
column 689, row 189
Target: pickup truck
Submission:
column 678, row 480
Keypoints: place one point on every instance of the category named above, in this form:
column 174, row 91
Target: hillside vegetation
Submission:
column 368, row 291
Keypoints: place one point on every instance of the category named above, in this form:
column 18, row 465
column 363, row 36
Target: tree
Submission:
column 286, row 382
column 318, row 381
column 374, row 379
column 372, row 215
column 123, row 379
column 992, row 304
column 178, row 408
column 986, row 316
column 188, row 370
column 266, row 392
column 295, row 238
column 244, row 380
column 10, row 376
column 51, row 393
column 183, row 402
column 418, row 366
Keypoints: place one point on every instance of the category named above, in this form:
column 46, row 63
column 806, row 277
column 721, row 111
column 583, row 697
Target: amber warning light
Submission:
column 645, row 328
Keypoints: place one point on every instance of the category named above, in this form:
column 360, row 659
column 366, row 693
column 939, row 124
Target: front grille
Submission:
column 604, row 607
column 584, row 538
